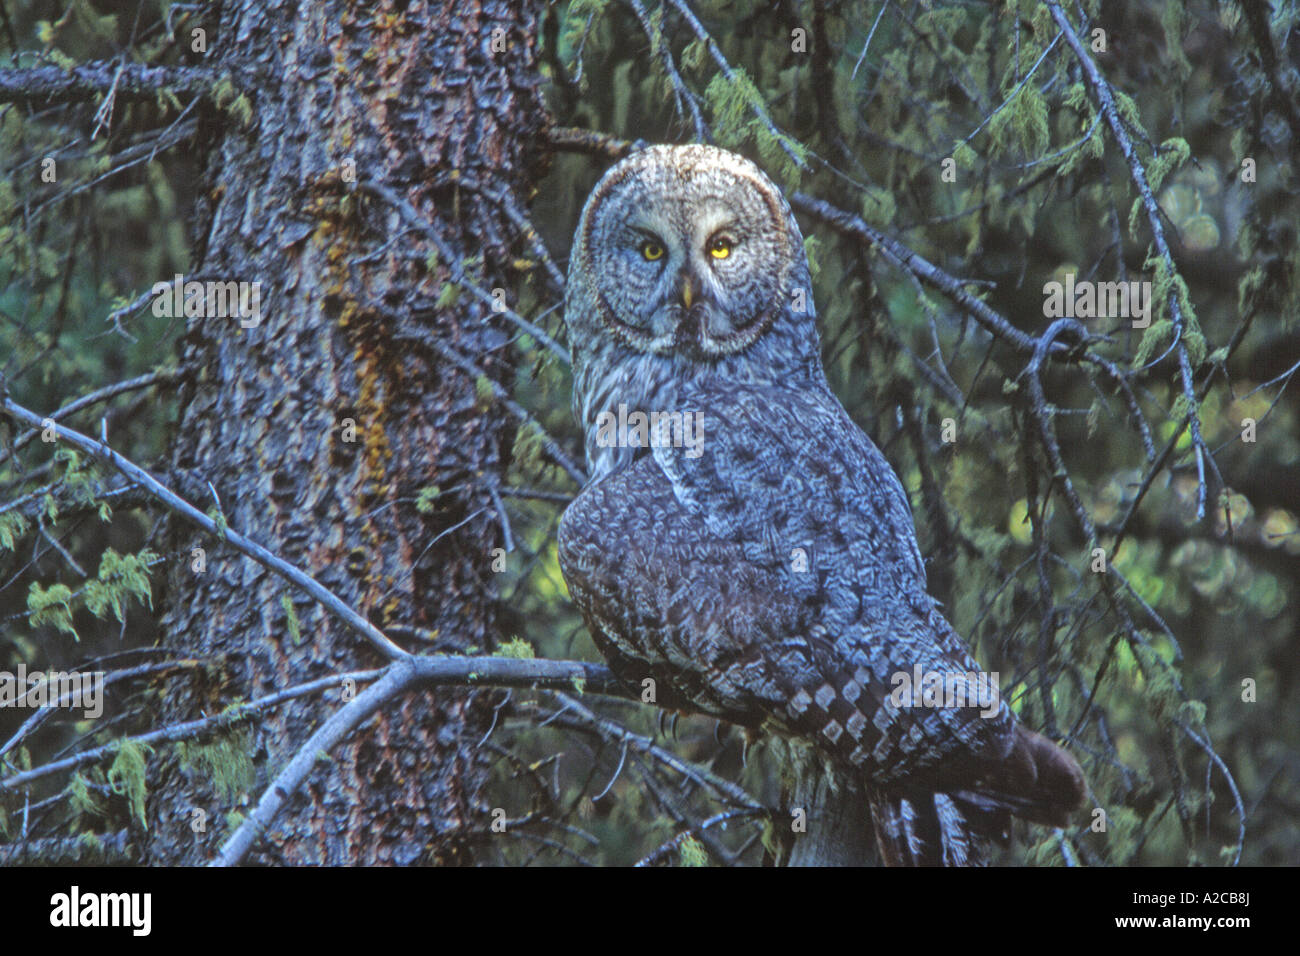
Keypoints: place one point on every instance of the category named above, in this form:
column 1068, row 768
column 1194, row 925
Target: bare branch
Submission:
column 51, row 85
column 453, row 262
column 434, row 671
column 680, row 90
column 185, row 730
column 397, row 678
column 1106, row 100
column 759, row 110
column 924, row 270
column 575, row 715
column 552, row 447
column 272, row 562
column 570, row 139
column 108, row 392
column 82, row 850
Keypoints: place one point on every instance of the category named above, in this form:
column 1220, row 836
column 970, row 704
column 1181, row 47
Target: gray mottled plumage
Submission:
column 769, row 574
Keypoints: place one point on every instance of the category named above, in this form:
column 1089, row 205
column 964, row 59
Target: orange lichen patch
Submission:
column 377, row 450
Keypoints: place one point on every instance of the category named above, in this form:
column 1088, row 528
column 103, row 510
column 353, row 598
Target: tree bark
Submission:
column 418, row 98
column 837, row 817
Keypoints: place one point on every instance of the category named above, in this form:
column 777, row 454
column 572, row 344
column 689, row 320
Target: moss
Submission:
column 121, row 577
column 811, row 246
column 692, row 853
column 739, row 117
column 448, row 295
column 12, row 527
column 82, row 798
column 127, row 776
column 1157, row 337
column 242, row 111
column 225, row 760
column 427, row 498
column 219, row 520
column 963, row 155
column 515, row 647
column 91, row 846
column 1022, row 122
column 51, row 606
column 1171, row 156
column 291, row 620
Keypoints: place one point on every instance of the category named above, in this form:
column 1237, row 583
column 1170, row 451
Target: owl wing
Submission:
column 771, row 576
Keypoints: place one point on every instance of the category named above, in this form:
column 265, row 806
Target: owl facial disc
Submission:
column 687, row 252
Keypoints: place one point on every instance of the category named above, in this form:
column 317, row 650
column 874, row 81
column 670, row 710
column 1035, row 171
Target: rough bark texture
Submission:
column 417, row 97
column 839, row 824
column 837, row 818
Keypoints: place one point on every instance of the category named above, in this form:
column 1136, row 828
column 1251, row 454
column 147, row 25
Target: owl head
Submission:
column 687, row 250
column 687, row 264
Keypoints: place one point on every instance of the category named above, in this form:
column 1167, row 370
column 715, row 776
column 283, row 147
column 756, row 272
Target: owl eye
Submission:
column 652, row 250
column 720, row 247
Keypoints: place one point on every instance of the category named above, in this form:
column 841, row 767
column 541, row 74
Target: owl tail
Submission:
column 1037, row 781
column 936, row 829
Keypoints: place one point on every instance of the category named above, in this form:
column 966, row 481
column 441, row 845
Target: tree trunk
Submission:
column 416, row 98
column 836, row 814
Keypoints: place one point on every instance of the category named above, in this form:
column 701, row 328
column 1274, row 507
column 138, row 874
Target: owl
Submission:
column 740, row 540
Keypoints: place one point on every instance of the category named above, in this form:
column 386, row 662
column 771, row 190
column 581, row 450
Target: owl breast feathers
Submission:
column 766, row 570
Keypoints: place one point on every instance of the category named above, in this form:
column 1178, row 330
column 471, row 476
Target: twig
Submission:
column 863, row 55
column 551, row 446
column 759, row 110
column 571, row 139
column 397, row 678
column 660, row 44
column 453, row 263
column 1204, row 744
column 683, row 818
column 183, row 730
column 1106, row 101
column 525, row 226
column 914, row 263
column 717, row 819
column 272, row 562
column 584, row 719
column 164, row 377
column 41, row 715
column 1015, row 90
column 83, row 849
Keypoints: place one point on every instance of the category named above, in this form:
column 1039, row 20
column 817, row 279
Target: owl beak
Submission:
column 687, row 286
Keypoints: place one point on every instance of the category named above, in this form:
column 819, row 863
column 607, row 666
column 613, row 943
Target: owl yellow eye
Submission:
column 652, row 250
column 720, row 247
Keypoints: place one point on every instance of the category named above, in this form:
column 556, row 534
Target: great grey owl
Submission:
column 741, row 541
